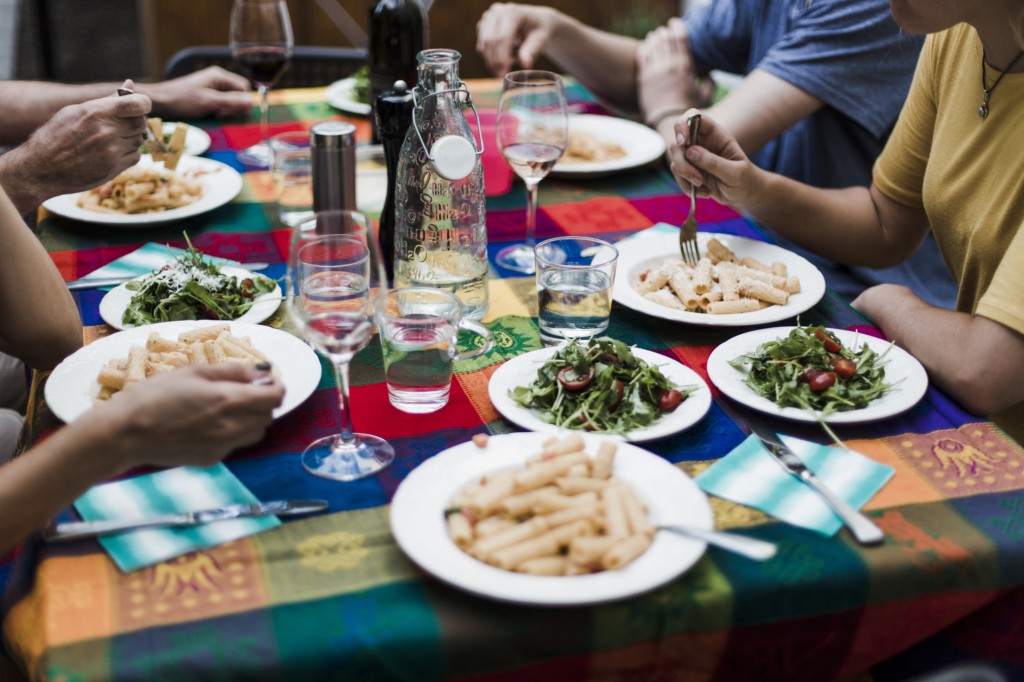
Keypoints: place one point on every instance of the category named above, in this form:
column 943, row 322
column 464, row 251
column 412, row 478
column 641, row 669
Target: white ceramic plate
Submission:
column 340, row 95
column 902, row 370
column 418, row 524
column 522, row 370
column 197, row 140
column 221, row 184
column 641, row 143
column 116, row 301
column 72, row 388
column 637, row 254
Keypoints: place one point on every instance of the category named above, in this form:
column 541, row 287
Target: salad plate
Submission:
column 522, row 371
column 221, row 183
column 72, row 387
column 418, row 524
column 342, row 95
column 903, row 372
column 116, row 301
column 639, row 253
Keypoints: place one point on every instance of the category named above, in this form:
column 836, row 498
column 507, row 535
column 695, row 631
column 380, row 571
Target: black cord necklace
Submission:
column 987, row 91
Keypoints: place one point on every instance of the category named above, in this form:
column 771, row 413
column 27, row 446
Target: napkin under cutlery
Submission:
column 748, row 475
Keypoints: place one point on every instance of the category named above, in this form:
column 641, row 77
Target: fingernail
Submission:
column 692, row 154
column 680, row 140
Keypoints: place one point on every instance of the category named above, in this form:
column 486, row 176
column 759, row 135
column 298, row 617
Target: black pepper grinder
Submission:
column 393, row 115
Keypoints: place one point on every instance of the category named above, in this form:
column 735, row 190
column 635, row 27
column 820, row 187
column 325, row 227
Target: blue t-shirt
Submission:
column 852, row 56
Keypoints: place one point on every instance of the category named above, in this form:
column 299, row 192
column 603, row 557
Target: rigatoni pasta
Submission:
column 561, row 514
column 721, row 283
column 207, row 345
column 142, row 189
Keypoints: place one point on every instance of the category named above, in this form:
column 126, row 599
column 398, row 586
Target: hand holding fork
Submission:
column 688, row 232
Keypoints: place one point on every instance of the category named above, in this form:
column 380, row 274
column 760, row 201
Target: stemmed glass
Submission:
column 533, row 132
column 334, row 282
column 261, row 46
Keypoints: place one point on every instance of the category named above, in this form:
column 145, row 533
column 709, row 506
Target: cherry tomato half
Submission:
column 821, row 382
column 669, row 399
column 568, row 378
column 808, row 374
column 843, row 367
column 831, row 345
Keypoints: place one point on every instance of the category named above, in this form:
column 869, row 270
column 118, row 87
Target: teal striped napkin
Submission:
column 167, row 492
column 748, row 475
column 145, row 260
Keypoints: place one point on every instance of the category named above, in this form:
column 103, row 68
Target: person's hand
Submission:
column 666, row 79
column 716, row 166
column 194, row 415
column 210, row 92
column 80, row 147
column 508, row 31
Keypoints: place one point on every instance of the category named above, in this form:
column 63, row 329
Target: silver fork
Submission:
column 688, row 232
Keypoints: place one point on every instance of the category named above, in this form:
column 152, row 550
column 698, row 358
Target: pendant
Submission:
column 983, row 110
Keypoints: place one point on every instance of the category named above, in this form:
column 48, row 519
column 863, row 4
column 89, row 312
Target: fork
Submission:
column 688, row 232
column 151, row 139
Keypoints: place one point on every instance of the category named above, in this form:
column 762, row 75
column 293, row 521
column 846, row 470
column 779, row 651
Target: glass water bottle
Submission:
column 440, row 212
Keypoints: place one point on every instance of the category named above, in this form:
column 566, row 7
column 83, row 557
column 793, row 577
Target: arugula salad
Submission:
column 811, row 369
column 191, row 288
column 600, row 387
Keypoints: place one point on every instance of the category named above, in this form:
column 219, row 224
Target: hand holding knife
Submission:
column 861, row 527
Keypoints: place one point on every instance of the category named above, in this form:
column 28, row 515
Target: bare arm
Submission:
column 41, row 324
column 957, row 348
column 856, row 225
column 603, row 62
column 211, row 92
column 192, row 416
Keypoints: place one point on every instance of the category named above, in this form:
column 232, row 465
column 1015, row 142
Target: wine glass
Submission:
column 533, row 132
column 261, row 46
column 334, row 282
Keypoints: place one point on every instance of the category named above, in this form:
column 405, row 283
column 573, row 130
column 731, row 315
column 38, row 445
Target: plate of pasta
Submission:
column 533, row 519
column 738, row 282
column 101, row 369
column 147, row 193
column 602, row 145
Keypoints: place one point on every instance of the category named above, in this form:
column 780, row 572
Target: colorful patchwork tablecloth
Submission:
column 334, row 598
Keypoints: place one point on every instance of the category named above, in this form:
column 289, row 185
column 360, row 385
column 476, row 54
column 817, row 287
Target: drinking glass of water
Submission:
column 334, row 284
column 574, row 287
column 533, row 132
column 292, row 170
column 418, row 332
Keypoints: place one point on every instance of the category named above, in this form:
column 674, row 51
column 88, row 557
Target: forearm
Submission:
column 20, row 182
column 603, row 62
column 41, row 322
column 29, row 104
column 975, row 360
column 43, row 481
column 854, row 235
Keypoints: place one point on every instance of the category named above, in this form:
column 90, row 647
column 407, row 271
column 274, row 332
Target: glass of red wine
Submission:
column 334, row 283
column 533, row 132
column 261, row 46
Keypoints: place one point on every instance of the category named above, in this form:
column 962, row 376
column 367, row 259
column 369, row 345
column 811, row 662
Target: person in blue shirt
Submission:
column 823, row 83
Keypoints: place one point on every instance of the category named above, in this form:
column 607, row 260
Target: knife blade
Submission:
column 75, row 530
column 97, row 282
column 861, row 527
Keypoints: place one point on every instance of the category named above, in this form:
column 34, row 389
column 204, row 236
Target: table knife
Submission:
column 862, row 528
column 97, row 282
column 86, row 529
